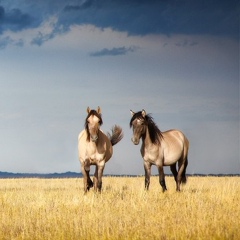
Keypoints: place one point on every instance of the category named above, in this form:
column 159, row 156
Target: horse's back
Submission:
column 174, row 136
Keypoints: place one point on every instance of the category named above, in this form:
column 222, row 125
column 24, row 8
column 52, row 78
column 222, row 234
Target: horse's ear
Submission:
column 144, row 113
column 88, row 110
column 99, row 110
column 132, row 113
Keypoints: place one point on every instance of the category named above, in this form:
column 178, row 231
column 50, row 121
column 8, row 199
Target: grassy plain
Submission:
column 206, row 208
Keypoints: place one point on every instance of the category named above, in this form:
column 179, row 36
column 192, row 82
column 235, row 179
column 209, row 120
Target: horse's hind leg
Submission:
column 181, row 174
column 174, row 171
column 184, row 179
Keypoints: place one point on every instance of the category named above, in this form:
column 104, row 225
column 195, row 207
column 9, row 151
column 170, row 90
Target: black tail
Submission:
column 184, row 178
column 116, row 136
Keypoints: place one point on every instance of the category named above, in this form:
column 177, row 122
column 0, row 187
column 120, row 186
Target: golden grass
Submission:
column 206, row 208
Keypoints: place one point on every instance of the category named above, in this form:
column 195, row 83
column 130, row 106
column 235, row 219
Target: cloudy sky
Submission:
column 178, row 60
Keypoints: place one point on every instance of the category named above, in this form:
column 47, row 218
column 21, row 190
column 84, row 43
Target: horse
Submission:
column 160, row 149
column 96, row 148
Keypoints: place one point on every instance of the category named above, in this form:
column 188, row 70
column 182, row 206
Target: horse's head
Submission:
column 93, row 123
column 138, row 123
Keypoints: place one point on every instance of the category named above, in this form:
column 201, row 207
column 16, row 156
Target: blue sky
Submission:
column 178, row 60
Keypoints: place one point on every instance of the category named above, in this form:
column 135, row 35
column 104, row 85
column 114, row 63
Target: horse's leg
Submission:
column 84, row 178
column 184, row 179
column 87, row 182
column 181, row 167
column 98, row 178
column 162, row 178
column 95, row 178
column 147, row 168
column 87, row 171
column 174, row 171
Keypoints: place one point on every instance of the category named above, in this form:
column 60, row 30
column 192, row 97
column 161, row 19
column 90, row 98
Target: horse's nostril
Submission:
column 135, row 141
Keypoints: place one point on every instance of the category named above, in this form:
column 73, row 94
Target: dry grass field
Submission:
column 206, row 208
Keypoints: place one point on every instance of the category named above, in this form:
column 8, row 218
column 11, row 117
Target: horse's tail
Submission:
column 116, row 135
column 184, row 178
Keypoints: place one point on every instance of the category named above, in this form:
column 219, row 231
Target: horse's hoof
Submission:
column 90, row 184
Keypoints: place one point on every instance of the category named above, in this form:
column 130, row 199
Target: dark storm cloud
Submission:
column 166, row 16
column 113, row 51
column 15, row 20
column 83, row 5
column 137, row 17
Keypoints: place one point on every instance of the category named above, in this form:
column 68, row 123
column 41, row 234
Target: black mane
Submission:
column 154, row 131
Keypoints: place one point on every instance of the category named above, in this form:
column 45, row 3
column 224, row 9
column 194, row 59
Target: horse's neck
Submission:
column 146, row 138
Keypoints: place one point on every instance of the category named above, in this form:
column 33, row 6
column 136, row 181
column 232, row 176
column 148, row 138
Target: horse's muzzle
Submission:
column 135, row 141
column 94, row 138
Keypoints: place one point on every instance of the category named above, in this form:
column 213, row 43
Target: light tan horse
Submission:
column 95, row 148
column 160, row 148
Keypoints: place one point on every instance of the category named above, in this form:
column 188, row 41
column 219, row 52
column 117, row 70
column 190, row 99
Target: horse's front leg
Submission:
column 162, row 178
column 87, row 182
column 147, row 168
column 98, row 178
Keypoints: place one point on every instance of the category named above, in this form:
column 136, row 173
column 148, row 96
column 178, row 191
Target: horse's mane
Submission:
column 98, row 115
column 154, row 131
